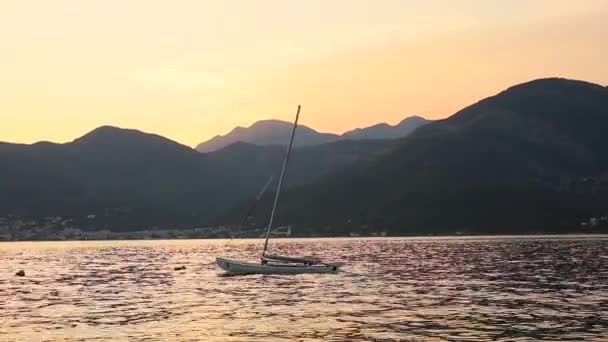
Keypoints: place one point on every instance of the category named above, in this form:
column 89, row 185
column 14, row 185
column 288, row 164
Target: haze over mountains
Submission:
column 533, row 158
column 276, row 132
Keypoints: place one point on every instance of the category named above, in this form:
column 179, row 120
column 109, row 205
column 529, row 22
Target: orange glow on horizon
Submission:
column 194, row 69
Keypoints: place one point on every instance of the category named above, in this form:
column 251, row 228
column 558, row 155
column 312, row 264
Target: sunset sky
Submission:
column 189, row 70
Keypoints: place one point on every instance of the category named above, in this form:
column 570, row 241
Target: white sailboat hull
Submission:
column 241, row 267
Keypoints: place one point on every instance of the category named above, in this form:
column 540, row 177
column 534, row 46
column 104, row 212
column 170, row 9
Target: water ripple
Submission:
column 501, row 289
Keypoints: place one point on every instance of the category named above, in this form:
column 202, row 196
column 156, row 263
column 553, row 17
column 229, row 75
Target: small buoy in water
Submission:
column 21, row 273
column 180, row 268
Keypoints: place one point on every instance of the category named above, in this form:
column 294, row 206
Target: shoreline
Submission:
column 399, row 237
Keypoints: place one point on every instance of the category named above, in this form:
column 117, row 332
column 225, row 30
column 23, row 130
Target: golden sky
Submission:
column 191, row 69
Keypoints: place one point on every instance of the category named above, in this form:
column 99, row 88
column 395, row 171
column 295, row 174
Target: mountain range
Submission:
column 532, row 158
column 276, row 132
column 125, row 179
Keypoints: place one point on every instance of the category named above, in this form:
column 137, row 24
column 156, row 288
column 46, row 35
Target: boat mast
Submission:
column 276, row 196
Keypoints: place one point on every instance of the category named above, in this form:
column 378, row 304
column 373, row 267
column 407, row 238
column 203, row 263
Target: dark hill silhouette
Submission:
column 129, row 179
column 509, row 163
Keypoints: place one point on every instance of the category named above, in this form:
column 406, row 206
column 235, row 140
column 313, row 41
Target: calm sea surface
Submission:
column 418, row 289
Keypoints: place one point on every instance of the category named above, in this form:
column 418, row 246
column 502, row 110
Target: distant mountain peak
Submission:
column 386, row 131
column 277, row 132
column 267, row 132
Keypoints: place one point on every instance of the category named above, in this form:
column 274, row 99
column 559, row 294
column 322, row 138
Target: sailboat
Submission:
column 278, row 264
